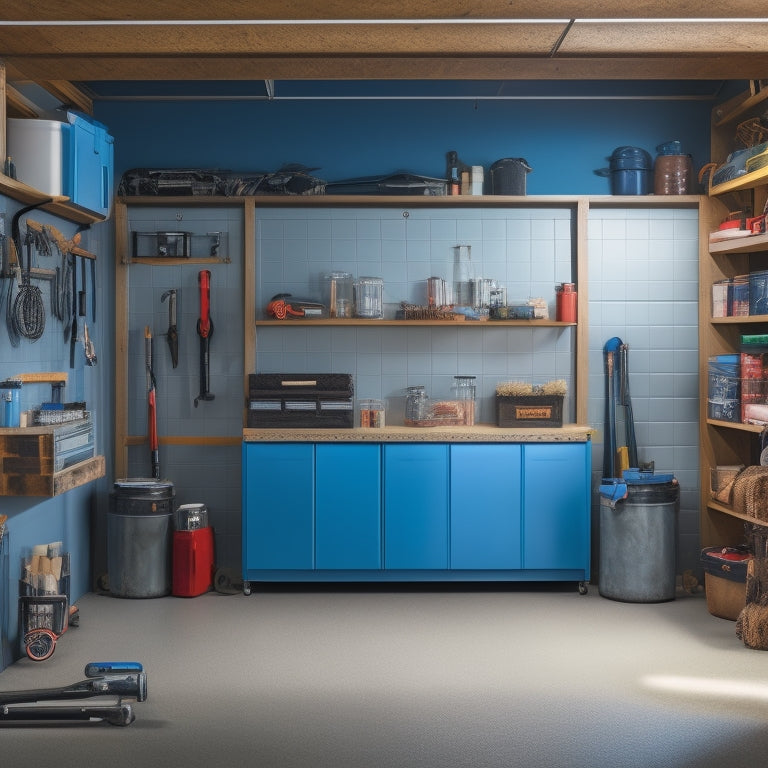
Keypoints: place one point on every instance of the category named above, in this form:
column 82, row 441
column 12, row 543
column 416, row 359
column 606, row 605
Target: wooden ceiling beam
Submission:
column 96, row 68
column 69, row 95
column 54, row 10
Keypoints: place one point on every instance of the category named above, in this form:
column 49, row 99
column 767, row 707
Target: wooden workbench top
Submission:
column 482, row 433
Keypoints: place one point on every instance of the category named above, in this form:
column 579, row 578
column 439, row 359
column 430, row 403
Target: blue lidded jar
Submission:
column 10, row 403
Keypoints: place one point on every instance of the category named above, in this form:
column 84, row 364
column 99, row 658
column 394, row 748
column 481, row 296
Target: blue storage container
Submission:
column 88, row 163
column 724, row 388
column 758, row 292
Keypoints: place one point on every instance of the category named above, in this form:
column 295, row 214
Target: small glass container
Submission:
column 369, row 297
column 338, row 294
column 372, row 414
column 416, row 404
column 463, row 274
column 464, row 389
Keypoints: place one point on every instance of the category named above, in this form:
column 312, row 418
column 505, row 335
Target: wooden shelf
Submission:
column 157, row 261
column 739, row 320
column 358, row 322
column 747, row 181
column 58, row 205
column 731, row 512
column 736, row 425
column 750, row 244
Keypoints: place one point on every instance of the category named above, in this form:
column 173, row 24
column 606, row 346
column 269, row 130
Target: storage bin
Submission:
column 529, row 410
column 38, row 149
column 74, row 158
column 725, row 577
column 758, row 292
column 308, row 400
column 724, row 390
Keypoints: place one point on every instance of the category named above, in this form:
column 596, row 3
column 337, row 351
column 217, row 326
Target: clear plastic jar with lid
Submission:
column 369, row 297
column 464, row 389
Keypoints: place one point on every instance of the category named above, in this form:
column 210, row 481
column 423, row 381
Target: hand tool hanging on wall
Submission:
column 154, row 446
column 75, row 313
column 204, row 331
column 15, row 262
column 28, row 306
column 172, row 334
column 90, row 351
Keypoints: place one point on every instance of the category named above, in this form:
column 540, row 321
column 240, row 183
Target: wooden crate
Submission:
column 27, row 461
column 529, row 410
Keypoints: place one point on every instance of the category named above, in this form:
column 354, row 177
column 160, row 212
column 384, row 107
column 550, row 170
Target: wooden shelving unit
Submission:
column 59, row 205
column 726, row 442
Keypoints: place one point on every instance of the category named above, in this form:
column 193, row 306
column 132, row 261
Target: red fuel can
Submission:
column 193, row 562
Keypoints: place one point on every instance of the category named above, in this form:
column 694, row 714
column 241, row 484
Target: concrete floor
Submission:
column 416, row 677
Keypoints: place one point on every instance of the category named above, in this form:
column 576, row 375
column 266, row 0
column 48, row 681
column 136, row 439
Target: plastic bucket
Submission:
column 638, row 541
column 139, row 538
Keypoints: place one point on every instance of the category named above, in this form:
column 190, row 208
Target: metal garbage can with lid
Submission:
column 139, row 536
column 638, row 537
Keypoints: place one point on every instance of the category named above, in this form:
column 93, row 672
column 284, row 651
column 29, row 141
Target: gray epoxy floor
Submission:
column 416, row 677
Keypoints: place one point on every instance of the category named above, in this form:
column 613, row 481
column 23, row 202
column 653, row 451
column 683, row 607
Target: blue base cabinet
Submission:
column 405, row 511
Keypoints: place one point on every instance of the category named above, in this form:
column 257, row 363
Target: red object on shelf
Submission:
column 193, row 562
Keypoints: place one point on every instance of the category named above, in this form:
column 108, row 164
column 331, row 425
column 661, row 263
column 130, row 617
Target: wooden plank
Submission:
column 250, row 291
column 49, row 377
column 79, row 474
column 121, row 338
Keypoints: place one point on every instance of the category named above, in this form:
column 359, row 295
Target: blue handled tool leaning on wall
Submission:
column 618, row 458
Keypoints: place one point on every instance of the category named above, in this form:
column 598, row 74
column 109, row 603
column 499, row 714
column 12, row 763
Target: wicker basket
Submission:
column 529, row 410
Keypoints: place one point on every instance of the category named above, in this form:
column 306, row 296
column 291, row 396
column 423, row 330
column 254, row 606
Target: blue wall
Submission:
column 564, row 141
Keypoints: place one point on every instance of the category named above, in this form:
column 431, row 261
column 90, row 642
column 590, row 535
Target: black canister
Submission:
column 507, row 176
column 139, row 537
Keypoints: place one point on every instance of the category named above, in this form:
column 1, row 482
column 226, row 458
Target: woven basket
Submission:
column 750, row 493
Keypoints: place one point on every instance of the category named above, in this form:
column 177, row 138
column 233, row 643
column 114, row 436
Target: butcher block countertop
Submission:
column 482, row 433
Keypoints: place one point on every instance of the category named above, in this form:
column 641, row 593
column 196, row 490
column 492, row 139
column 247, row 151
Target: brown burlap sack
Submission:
column 750, row 493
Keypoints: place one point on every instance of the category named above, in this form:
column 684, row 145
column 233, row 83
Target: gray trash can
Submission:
column 638, row 537
column 139, row 537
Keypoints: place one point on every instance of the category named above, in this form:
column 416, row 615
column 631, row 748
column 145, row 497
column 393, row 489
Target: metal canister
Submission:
column 10, row 396
column 191, row 517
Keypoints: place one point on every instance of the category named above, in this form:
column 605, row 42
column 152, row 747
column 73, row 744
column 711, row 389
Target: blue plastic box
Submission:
column 72, row 157
column 88, row 163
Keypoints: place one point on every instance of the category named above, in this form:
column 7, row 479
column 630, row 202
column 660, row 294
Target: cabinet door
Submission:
column 278, row 506
column 416, row 506
column 486, row 499
column 556, row 506
column 348, row 506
